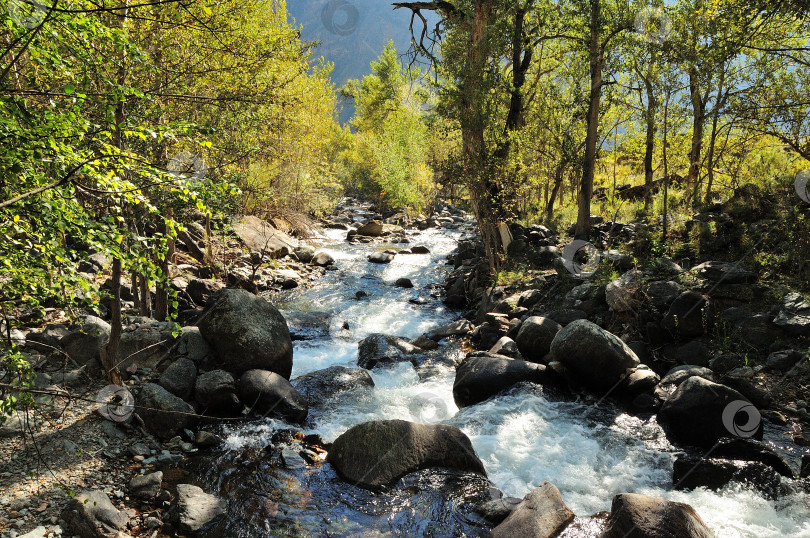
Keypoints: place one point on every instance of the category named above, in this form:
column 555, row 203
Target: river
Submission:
column 590, row 450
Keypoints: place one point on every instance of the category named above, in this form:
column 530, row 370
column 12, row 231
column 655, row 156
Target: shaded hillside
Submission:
column 351, row 33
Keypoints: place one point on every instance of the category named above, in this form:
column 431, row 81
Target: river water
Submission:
column 589, row 451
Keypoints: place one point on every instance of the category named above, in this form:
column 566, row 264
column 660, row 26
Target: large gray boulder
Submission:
column 622, row 295
column 304, row 253
column 90, row 514
column 84, row 343
column 372, row 228
column 541, row 514
column 179, row 378
column 597, row 358
column 215, row 391
column 270, row 394
column 700, row 412
column 383, row 349
column 320, row 386
column 146, row 486
column 247, row 333
column 381, row 257
column 195, row 508
column 323, row 259
column 373, row 454
column 794, row 316
column 639, row 516
column 259, row 236
column 47, row 340
column 535, row 336
column 191, row 345
column 200, row 290
column 163, row 413
column 145, row 344
column 482, row 376
column 461, row 327
column 727, row 273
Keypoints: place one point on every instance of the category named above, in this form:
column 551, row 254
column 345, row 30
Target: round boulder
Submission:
column 270, row 394
column 483, row 375
column 304, row 253
column 322, row 259
column 373, row 454
column 381, row 257
column 596, row 357
column 635, row 516
column 179, row 378
column 163, row 413
column 247, row 333
column 535, row 336
column 542, row 513
column 322, row 385
column 700, row 412
column 372, row 228
column 215, row 391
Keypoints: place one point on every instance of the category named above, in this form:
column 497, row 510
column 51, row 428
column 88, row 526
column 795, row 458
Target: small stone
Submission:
column 139, row 449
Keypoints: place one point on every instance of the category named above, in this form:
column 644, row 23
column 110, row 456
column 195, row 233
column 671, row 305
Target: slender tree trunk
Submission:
column 146, row 299
column 133, row 288
column 649, row 145
column 209, row 249
column 583, row 228
column 109, row 353
column 162, row 289
column 718, row 104
column 698, row 117
column 615, row 154
column 666, row 170
column 558, row 180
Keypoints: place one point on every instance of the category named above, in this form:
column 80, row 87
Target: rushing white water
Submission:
column 589, row 452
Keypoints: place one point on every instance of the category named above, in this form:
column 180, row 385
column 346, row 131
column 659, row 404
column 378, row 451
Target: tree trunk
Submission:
column 666, row 169
column 558, row 180
column 209, row 249
column 133, row 289
column 718, row 104
column 649, row 145
column 146, row 299
column 162, row 290
column 698, row 116
column 583, row 228
column 110, row 351
column 472, row 135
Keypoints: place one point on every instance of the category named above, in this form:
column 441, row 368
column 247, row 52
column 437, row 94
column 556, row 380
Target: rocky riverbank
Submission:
column 653, row 340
